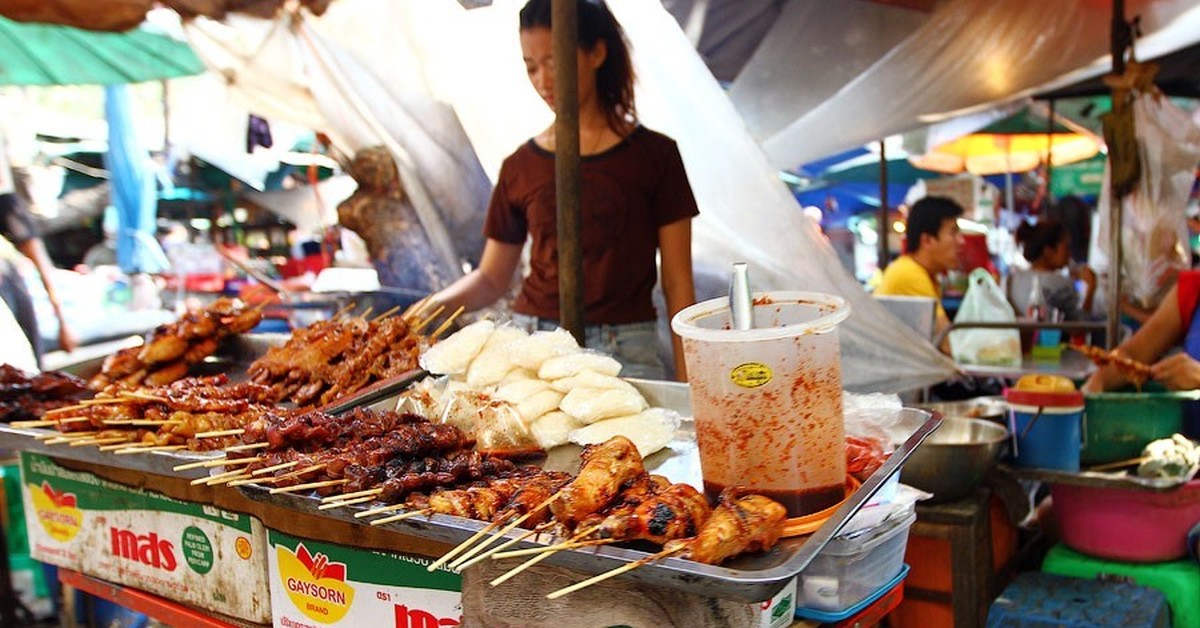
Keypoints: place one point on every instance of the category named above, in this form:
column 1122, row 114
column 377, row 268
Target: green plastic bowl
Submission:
column 1118, row 425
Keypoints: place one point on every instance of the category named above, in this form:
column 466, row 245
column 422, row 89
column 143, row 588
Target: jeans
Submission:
column 634, row 345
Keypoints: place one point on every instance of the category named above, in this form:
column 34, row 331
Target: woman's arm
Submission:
column 482, row 286
column 678, row 285
column 36, row 252
column 1163, row 330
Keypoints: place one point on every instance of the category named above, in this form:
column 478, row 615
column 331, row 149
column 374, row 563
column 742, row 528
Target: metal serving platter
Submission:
column 751, row 578
column 1094, row 479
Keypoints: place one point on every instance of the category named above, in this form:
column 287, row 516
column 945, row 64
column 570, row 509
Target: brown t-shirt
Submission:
column 626, row 194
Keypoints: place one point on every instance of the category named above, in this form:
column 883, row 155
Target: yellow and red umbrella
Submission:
column 1016, row 144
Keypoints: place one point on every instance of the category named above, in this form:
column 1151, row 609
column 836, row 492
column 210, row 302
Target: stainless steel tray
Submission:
column 1098, row 480
column 157, row 462
column 750, row 578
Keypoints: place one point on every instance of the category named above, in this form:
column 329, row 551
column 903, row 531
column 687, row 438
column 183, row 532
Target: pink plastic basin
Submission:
column 1131, row 525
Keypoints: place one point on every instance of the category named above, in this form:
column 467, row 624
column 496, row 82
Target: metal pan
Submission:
column 750, row 578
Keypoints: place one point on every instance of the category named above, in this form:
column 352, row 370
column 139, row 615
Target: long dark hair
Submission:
column 1035, row 239
column 614, row 78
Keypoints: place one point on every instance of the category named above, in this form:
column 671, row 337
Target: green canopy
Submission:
column 44, row 54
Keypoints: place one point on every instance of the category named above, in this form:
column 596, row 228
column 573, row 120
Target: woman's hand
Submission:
column 1178, row 372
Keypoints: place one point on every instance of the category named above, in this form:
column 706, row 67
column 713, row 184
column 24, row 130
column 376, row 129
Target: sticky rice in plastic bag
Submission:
column 540, row 346
column 453, row 355
column 518, row 374
column 517, row 391
column 595, row 404
column 424, row 398
column 591, row 379
column 461, row 409
column 553, row 429
column 575, row 363
column 650, row 431
column 501, row 432
column 493, row 363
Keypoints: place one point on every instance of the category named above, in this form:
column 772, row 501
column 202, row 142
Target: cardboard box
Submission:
column 321, row 584
column 193, row 553
column 779, row 611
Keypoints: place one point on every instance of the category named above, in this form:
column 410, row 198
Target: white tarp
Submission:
column 968, row 54
column 471, row 60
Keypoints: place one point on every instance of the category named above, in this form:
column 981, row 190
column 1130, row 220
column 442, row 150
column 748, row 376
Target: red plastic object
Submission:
column 1127, row 525
column 1044, row 399
column 161, row 609
column 874, row 614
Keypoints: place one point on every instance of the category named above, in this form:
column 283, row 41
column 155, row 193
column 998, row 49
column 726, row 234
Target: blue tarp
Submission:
column 133, row 187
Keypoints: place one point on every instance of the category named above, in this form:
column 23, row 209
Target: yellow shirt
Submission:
column 905, row 277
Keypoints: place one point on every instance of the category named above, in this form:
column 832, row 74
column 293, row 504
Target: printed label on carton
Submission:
column 194, row 553
column 315, row 584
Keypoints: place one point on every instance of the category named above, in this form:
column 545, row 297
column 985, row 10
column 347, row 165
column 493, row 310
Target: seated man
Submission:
column 933, row 243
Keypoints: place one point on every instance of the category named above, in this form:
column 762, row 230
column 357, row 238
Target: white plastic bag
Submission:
column 984, row 302
column 1153, row 226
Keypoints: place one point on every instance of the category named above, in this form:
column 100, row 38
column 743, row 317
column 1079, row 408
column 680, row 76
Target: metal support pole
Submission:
column 885, row 227
column 564, row 22
column 1120, row 40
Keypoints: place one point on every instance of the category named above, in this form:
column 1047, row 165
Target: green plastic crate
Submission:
column 1178, row 580
column 1118, row 425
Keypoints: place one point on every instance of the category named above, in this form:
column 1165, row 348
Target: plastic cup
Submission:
column 768, row 401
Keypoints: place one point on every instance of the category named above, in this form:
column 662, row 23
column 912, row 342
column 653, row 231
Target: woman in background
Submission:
column 635, row 197
column 1047, row 247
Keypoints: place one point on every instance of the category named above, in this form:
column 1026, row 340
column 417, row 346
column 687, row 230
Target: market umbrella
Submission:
column 43, row 54
column 1018, row 143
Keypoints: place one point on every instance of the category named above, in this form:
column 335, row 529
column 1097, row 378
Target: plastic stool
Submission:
column 1045, row 600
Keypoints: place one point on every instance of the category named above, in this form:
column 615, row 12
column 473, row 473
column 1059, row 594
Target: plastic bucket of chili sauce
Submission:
column 768, row 401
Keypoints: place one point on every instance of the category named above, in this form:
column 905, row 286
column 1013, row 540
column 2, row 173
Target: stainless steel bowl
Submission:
column 955, row 459
column 992, row 408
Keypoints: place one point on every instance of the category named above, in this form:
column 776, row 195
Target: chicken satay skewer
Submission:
column 615, row 572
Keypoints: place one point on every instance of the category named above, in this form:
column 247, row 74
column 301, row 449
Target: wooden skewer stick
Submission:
column 458, row 549
column 386, row 314
column 421, row 325
column 73, row 419
column 219, row 462
column 277, row 467
column 84, row 442
column 343, row 496
column 60, row 440
column 101, row 401
column 143, row 422
column 224, row 474
column 402, row 516
column 66, row 435
column 1119, row 464
column 31, row 424
column 380, row 510
column 227, row 480
column 218, row 433
column 346, row 502
column 504, row 577
column 415, row 310
column 308, row 469
column 508, row 528
column 552, row 548
column 143, row 397
column 345, row 308
column 507, row 544
column 615, row 572
column 144, row 450
column 446, row 325
column 248, row 447
column 126, row 445
column 72, row 408
column 304, row 487
column 366, row 312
